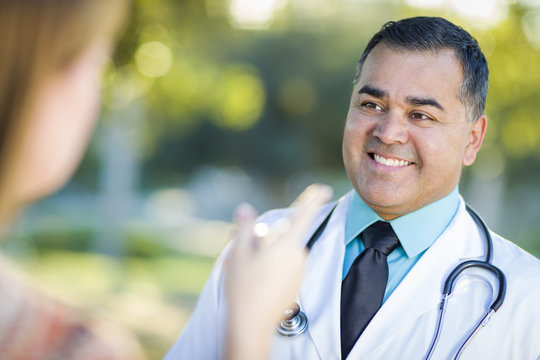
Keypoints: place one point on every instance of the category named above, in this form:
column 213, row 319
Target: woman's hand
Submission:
column 263, row 271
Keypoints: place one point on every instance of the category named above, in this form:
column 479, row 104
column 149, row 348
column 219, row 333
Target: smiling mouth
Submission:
column 389, row 162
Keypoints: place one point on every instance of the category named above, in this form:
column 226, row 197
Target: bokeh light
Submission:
column 153, row 59
column 240, row 98
column 253, row 14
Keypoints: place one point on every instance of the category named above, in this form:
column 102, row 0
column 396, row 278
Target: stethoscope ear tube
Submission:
column 449, row 283
column 482, row 225
column 320, row 229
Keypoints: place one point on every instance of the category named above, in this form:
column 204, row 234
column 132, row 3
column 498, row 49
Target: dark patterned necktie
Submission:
column 362, row 290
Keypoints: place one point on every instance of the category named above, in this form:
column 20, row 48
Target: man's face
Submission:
column 407, row 135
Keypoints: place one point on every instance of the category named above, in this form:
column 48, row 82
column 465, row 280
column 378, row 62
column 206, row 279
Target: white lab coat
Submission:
column 403, row 327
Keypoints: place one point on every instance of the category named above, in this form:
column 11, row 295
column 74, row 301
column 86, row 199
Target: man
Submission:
column 416, row 117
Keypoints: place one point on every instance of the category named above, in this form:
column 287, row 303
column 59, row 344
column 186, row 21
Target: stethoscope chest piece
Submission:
column 294, row 323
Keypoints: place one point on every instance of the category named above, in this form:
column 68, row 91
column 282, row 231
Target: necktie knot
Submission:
column 381, row 237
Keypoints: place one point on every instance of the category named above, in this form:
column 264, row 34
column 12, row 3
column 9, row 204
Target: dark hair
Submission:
column 433, row 34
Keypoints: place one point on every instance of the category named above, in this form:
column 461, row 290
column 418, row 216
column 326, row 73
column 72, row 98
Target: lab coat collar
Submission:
column 320, row 295
column 420, row 291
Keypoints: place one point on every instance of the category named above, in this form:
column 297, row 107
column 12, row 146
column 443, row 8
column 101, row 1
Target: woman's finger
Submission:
column 244, row 217
column 307, row 207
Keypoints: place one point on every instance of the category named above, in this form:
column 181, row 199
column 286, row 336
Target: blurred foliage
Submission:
column 274, row 101
column 70, row 238
column 81, row 239
column 513, row 97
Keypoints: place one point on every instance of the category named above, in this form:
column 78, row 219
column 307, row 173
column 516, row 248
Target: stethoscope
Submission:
column 295, row 321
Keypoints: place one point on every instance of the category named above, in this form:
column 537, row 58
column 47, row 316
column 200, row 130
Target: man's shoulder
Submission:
column 522, row 272
column 515, row 260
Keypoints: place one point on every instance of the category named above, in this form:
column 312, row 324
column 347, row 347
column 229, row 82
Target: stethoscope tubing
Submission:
column 487, row 234
column 449, row 283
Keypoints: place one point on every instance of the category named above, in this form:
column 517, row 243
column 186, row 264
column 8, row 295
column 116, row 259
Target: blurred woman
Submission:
column 52, row 53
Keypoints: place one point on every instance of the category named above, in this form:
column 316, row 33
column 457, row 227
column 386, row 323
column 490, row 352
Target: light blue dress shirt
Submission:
column 416, row 232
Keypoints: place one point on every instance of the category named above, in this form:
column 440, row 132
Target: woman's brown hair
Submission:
column 39, row 38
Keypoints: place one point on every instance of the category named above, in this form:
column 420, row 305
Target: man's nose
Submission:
column 392, row 128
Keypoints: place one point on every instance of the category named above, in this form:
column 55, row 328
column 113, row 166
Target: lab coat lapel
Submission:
column 420, row 291
column 320, row 294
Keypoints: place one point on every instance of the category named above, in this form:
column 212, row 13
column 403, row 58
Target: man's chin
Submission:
column 387, row 207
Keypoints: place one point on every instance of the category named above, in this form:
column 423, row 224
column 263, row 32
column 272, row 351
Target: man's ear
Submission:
column 476, row 136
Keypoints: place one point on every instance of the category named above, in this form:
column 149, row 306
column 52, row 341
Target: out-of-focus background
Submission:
column 208, row 103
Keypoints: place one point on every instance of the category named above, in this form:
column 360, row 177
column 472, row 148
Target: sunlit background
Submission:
column 210, row 103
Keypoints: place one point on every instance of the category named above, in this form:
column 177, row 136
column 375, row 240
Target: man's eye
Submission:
column 372, row 106
column 420, row 116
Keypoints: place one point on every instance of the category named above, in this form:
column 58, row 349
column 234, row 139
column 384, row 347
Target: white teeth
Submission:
column 390, row 162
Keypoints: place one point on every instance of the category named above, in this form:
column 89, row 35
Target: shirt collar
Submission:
column 432, row 220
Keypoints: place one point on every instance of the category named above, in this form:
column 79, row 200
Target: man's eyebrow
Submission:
column 418, row 101
column 373, row 91
column 413, row 100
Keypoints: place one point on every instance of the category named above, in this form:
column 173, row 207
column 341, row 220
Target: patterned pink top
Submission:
column 34, row 326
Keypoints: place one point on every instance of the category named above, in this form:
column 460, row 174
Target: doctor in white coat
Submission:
column 416, row 117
